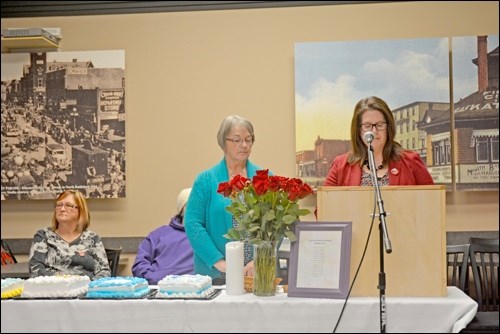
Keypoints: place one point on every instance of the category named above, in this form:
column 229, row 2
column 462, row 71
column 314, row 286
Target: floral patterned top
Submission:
column 366, row 179
column 52, row 255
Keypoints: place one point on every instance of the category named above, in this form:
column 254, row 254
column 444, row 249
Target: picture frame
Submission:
column 320, row 260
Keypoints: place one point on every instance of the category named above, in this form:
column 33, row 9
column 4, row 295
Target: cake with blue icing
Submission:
column 185, row 286
column 118, row 287
column 12, row 287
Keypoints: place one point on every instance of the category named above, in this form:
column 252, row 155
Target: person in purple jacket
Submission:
column 166, row 250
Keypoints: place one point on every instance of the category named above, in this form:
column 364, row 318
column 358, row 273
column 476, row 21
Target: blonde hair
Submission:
column 83, row 211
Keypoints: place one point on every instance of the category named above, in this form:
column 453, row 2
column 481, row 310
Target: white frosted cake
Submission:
column 12, row 287
column 118, row 287
column 55, row 286
column 185, row 286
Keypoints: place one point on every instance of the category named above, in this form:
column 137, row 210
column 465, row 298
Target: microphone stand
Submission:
column 384, row 241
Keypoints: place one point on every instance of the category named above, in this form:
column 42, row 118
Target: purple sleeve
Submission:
column 143, row 261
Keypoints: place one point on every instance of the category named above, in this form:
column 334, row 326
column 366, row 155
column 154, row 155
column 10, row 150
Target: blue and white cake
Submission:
column 118, row 287
column 12, row 287
column 185, row 286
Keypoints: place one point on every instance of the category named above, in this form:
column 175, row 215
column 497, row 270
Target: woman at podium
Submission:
column 373, row 123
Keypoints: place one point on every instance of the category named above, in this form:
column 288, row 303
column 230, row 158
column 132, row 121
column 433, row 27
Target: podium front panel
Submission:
column 416, row 225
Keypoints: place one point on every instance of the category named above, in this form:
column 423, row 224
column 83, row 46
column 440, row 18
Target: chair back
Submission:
column 458, row 265
column 113, row 255
column 7, row 255
column 485, row 268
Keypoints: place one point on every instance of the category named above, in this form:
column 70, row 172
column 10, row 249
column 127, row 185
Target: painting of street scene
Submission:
column 63, row 124
column 423, row 90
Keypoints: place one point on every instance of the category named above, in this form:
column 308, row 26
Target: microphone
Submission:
column 369, row 136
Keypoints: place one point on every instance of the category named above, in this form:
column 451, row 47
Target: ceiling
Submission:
column 12, row 9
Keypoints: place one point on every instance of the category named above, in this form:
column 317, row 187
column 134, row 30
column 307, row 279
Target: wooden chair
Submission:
column 7, row 255
column 113, row 259
column 484, row 262
column 485, row 268
column 458, row 265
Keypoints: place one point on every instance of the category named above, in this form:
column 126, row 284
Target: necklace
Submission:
column 379, row 167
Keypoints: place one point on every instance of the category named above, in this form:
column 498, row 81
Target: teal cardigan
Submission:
column 206, row 219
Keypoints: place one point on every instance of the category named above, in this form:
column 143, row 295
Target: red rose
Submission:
column 261, row 186
column 277, row 182
column 293, row 193
column 238, row 182
column 305, row 190
column 260, row 182
column 225, row 189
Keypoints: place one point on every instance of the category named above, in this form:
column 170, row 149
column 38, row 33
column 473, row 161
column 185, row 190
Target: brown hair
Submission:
column 83, row 211
column 359, row 151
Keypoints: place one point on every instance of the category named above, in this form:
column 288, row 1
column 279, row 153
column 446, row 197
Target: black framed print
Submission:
column 320, row 260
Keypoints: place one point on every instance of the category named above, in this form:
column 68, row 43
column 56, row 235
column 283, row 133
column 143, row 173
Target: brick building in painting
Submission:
column 475, row 130
column 407, row 118
column 313, row 165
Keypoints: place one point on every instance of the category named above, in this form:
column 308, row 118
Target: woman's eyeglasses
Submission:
column 66, row 205
column 239, row 141
column 369, row 126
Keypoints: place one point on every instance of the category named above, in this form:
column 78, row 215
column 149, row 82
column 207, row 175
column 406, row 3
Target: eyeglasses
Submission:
column 66, row 205
column 240, row 141
column 369, row 126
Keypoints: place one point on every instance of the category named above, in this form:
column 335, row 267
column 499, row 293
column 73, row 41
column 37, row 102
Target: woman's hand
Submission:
column 248, row 270
column 220, row 265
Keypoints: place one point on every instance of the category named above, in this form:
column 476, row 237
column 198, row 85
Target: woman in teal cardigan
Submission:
column 206, row 220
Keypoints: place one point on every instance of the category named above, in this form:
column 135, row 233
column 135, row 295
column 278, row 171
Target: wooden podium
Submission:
column 416, row 226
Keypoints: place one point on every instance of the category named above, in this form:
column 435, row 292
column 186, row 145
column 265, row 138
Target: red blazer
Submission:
column 409, row 170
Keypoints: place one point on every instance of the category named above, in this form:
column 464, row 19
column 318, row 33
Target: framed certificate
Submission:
column 320, row 260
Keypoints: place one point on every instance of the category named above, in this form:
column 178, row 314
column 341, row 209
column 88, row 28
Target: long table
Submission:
column 242, row 313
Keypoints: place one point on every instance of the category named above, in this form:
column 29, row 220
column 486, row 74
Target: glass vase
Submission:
column 264, row 266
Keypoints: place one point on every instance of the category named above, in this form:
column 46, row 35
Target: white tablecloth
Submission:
column 244, row 313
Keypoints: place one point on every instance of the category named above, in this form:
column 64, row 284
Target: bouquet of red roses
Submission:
column 265, row 207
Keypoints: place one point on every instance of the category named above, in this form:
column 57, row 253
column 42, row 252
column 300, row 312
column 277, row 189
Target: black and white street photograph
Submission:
column 63, row 124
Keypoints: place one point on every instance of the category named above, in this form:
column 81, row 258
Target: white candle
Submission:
column 234, row 268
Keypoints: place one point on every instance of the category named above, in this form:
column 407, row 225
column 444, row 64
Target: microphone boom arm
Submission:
column 380, row 202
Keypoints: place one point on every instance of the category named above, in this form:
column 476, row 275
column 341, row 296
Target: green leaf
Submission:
column 233, row 234
column 253, row 229
column 269, row 215
column 303, row 212
column 290, row 235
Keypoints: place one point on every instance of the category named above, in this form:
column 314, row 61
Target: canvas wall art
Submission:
column 63, row 124
column 422, row 85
